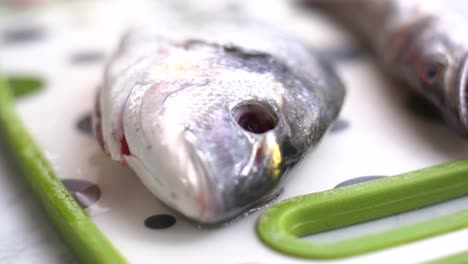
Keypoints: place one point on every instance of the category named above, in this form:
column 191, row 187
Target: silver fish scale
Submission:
column 215, row 113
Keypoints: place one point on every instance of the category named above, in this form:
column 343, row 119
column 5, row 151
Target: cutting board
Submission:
column 382, row 130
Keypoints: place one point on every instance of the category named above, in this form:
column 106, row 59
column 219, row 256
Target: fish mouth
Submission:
column 462, row 94
column 216, row 202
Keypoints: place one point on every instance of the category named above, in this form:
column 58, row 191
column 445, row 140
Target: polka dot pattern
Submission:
column 339, row 126
column 20, row 35
column 160, row 221
column 86, row 57
column 85, row 124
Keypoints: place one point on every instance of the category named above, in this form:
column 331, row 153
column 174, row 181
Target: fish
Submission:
column 212, row 112
column 420, row 43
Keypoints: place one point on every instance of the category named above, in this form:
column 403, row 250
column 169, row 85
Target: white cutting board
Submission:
column 378, row 134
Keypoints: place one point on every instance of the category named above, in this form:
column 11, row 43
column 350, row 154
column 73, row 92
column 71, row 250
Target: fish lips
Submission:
column 221, row 198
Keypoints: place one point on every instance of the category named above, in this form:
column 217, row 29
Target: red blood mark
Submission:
column 124, row 149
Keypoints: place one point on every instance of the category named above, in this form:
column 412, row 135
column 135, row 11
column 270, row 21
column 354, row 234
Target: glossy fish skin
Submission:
column 419, row 43
column 214, row 114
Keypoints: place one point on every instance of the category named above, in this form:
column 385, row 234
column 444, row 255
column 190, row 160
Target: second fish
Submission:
column 419, row 43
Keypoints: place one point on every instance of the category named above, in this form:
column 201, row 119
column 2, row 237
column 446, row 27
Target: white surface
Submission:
column 384, row 138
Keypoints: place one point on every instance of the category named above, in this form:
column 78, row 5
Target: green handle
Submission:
column 282, row 225
column 79, row 232
column 459, row 258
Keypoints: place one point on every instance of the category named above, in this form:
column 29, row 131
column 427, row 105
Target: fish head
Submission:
column 437, row 67
column 444, row 77
column 212, row 130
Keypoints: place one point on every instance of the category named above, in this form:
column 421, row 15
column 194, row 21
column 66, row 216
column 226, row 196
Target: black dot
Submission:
column 160, row 221
column 339, row 125
column 85, row 124
column 358, row 180
column 86, row 57
column 20, row 35
column 86, row 193
column 423, row 108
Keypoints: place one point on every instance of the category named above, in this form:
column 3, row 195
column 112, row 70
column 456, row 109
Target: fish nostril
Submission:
column 255, row 117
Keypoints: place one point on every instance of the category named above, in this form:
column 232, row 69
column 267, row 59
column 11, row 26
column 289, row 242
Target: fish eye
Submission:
column 255, row 117
column 432, row 73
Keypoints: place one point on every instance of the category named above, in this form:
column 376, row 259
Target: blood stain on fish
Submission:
column 124, row 149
